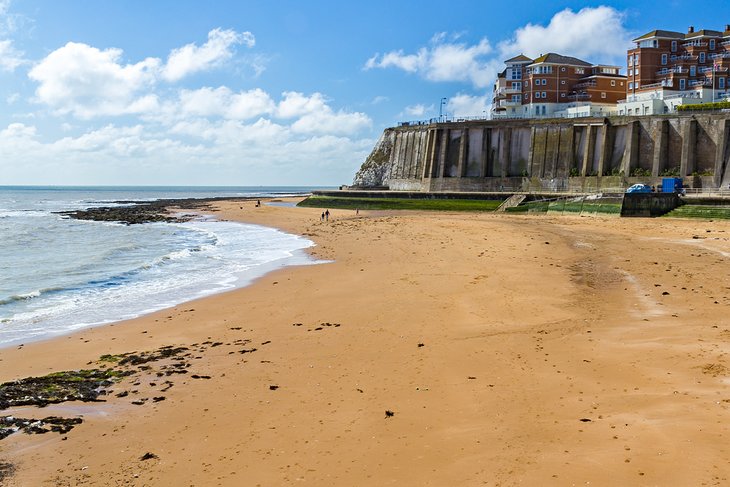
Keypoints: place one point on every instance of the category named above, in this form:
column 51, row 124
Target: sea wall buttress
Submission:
column 560, row 154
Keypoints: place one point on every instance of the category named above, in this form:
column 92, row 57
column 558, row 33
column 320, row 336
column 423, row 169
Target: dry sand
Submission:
column 512, row 350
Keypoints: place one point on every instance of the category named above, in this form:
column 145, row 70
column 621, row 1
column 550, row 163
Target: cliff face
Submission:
column 375, row 170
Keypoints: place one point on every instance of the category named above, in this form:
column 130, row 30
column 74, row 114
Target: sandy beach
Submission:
column 435, row 349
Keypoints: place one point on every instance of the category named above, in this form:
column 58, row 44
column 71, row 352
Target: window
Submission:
column 702, row 57
column 682, row 84
column 721, row 83
column 562, row 82
column 516, row 85
column 622, row 83
column 631, row 72
column 630, row 62
column 603, row 94
column 693, row 70
column 580, row 71
column 674, row 46
column 613, row 82
column 516, row 73
column 515, row 97
column 636, row 59
column 544, row 95
column 526, row 95
column 712, row 44
column 562, row 95
column 631, row 86
column 629, row 112
column 537, row 95
column 664, row 58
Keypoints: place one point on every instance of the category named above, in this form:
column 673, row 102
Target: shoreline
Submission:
column 491, row 339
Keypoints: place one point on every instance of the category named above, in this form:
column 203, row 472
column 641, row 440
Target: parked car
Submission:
column 639, row 188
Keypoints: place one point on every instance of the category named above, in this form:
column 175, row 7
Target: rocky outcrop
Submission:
column 375, row 171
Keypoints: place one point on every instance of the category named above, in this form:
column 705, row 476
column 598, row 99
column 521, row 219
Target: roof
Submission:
column 553, row 58
column 704, row 32
column 669, row 34
column 517, row 59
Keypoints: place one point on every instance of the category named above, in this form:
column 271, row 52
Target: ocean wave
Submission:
column 30, row 295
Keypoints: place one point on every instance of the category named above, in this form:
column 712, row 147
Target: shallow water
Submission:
column 58, row 275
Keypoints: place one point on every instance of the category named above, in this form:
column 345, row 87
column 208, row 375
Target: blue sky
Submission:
column 267, row 92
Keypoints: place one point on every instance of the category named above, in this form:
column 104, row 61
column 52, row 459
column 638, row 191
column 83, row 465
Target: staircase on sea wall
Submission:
column 701, row 211
column 511, row 202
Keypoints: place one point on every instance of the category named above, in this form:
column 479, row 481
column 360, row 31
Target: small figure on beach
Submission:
column 258, row 203
column 322, row 217
column 327, row 215
column 357, row 211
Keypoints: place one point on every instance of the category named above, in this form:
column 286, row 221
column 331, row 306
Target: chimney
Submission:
column 727, row 27
column 691, row 29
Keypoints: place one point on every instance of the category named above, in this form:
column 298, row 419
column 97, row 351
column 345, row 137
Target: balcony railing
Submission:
column 682, row 57
column 586, row 84
column 699, row 82
column 677, row 70
column 721, row 55
column 509, row 103
column 579, row 96
column 694, row 44
column 512, row 91
column 725, row 43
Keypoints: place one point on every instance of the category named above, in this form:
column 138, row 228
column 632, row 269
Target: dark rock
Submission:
column 389, row 413
column 148, row 456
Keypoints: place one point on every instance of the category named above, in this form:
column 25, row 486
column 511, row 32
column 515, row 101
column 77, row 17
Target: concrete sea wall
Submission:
column 544, row 155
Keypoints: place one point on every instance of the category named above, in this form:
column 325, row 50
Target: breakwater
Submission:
column 586, row 154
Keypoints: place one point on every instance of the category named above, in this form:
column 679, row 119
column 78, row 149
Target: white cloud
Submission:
column 18, row 131
column 10, row 58
column 222, row 102
column 592, row 34
column 295, row 104
column 12, row 98
column 415, row 110
column 442, row 61
column 191, row 59
column 329, row 122
column 89, row 82
column 463, row 105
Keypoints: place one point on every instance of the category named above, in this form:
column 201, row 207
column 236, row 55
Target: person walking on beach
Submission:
column 322, row 217
column 327, row 215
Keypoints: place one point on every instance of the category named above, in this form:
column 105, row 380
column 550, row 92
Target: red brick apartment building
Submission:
column 554, row 85
column 666, row 69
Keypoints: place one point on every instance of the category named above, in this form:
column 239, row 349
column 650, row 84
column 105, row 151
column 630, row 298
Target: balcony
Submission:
column 580, row 96
column 509, row 103
column 725, row 43
column 683, row 57
column 694, row 44
column 672, row 71
column 513, row 91
column 586, row 84
column 699, row 82
column 720, row 55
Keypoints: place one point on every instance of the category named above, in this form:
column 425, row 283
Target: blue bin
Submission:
column 671, row 185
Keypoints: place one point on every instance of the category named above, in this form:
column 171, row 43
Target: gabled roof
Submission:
column 703, row 33
column 553, row 58
column 667, row 34
column 518, row 59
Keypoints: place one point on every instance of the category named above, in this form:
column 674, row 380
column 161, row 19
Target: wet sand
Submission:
column 506, row 350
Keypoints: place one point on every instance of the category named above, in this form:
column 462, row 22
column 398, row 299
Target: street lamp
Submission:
column 441, row 109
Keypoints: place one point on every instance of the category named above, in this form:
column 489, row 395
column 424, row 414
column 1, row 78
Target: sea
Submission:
column 59, row 275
